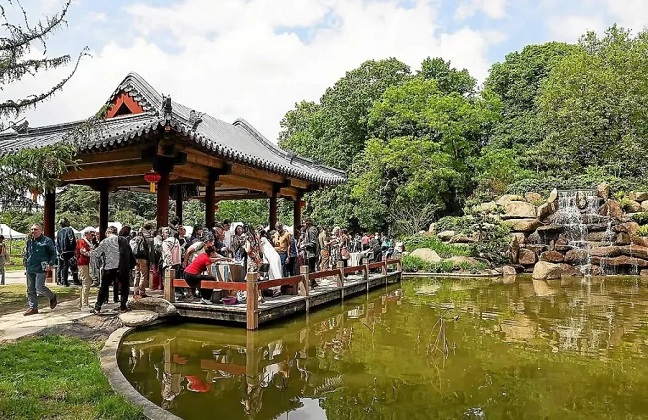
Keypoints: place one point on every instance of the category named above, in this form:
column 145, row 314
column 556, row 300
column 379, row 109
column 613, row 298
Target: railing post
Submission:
column 304, row 288
column 340, row 266
column 384, row 266
column 169, row 290
column 252, row 303
column 366, row 272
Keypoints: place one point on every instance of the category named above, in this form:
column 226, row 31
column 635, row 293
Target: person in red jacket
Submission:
column 83, row 248
column 193, row 272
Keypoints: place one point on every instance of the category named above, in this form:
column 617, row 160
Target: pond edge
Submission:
column 119, row 383
column 454, row 275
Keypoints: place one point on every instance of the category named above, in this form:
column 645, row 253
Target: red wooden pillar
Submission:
column 210, row 202
column 273, row 209
column 297, row 209
column 178, row 201
column 103, row 211
column 163, row 200
column 49, row 214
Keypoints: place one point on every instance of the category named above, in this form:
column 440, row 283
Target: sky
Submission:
column 254, row 59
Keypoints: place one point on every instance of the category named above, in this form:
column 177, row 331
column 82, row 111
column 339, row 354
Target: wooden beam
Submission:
column 192, row 171
column 246, row 171
column 103, row 212
column 244, row 182
column 288, row 192
column 106, row 170
column 163, row 200
column 201, row 158
column 298, row 183
column 110, row 156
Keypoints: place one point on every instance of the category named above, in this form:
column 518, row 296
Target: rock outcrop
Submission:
column 160, row 306
column 546, row 271
column 138, row 318
column 427, row 255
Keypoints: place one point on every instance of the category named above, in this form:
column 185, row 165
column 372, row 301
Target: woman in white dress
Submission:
column 271, row 257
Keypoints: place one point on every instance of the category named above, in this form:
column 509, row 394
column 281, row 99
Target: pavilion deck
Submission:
column 333, row 286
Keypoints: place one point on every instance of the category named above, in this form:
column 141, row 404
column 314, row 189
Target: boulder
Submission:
column 630, row 228
column 546, row 271
column 446, row 235
column 533, row 197
column 427, row 255
column 546, row 209
column 526, row 257
column 634, row 251
column 632, row 206
column 612, row 209
column 644, row 205
column 506, row 198
column 576, row 256
column 460, row 238
column 432, row 229
column 581, row 200
column 508, row 270
column 603, row 190
column 622, row 239
column 595, row 236
column 569, row 270
column 595, row 270
column 638, row 196
column 643, row 273
column 519, row 210
column 550, row 228
column 534, row 238
column 605, row 251
column 624, row 260
column 536, row 248
column 154, row 304
column 639, row 240
column 552, row 257
column 138, row 318
column 553, row 196
column 562, row 245
column 518, row 236
column 522, row 225
column 459, row 260
column 514, row 251
column 487, row 207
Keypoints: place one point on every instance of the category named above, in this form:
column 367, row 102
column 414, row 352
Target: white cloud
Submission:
column 571, row 27
column 494, row 9
column 232, row 60
column 631, row 14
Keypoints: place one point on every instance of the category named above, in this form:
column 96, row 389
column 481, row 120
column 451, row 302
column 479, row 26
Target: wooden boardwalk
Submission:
column 333, row 286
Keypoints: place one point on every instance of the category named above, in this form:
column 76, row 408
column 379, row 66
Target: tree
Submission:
column 16, row 43
column 448, row 79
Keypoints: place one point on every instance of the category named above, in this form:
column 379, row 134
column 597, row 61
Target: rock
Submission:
column 518, row 236
column 576, row 256
column 432, row 229
column 459, row 260
column 595, row 270
column 506, row 198
column 581, row 200
column 553, row 196
column 460, row 238
column 644, row 205
column 643, row 273
column 590, row 219
column 487, row 207
column 526, row 257
column 536, row 248
column 595, row 236
column 514, row 251
column 612, row 209
column 446, row 235
column 634, row 251
column 632, row 206
column 605, row 251
column 639, row 240
column 519, row 210
column 624, row 260
column 552, row 257
column 427, row 255
column 546, row 271
column 630, row 228
column 508, row 270
column 532, row 197
column 569, row 270
column 622, row 239
column 597, row 227
column 547, row 209
column 155, row 304
column 522, row 225
column 603, row 190
column 534, row 238
column 638, row 196
column 138, row 318
column 550, row 228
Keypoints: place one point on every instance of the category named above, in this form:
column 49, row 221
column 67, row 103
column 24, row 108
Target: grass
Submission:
column 13, row 297
column 57, row 377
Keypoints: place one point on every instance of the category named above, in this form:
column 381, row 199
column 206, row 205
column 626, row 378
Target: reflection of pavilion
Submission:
column 255, row 373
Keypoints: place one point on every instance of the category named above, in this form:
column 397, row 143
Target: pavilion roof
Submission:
column 237, row 142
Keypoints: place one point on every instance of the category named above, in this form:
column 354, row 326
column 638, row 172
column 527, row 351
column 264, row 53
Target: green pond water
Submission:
column 424, row 349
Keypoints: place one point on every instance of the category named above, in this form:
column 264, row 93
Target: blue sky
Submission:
column 255, row 58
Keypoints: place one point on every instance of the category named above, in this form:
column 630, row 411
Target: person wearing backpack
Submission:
column 140, row 248
column 66, row 247
column 4, row 258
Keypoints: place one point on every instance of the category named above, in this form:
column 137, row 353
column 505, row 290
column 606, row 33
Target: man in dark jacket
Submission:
column 39, row 258
column 65, row 245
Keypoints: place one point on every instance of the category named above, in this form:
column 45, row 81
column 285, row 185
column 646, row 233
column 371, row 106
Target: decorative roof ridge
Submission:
column 145, row 94
column 292, row 157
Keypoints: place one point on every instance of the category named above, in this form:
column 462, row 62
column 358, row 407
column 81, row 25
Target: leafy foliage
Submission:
column 443, row 249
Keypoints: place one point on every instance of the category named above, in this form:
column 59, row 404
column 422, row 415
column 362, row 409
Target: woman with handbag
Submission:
column 82, row 254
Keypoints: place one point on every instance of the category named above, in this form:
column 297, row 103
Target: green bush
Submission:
column 456, row 223
column 641, row 218
column 643, row 230
column 412, row 264
column 442, row 267
column 443, row 249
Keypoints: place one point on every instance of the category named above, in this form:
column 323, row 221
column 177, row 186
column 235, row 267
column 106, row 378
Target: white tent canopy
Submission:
column 9, row 233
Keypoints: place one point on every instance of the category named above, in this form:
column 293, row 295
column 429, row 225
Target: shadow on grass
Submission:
column 13, row 297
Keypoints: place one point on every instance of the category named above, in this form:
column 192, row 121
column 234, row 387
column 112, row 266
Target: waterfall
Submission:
column 572, row 206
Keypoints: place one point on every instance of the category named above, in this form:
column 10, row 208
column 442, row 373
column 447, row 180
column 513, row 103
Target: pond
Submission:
column 424, row 349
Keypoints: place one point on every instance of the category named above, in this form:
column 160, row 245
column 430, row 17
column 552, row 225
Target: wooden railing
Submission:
column 299, row 284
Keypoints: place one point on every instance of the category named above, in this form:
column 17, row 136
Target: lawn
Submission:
column 57, row 377
column 13, row 297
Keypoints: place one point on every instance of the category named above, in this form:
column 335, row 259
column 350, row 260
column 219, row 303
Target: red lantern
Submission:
column 152, row 178
column 302, row 203
column 34, row 192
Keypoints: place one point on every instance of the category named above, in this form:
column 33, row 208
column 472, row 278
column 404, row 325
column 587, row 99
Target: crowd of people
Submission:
column 139, row 258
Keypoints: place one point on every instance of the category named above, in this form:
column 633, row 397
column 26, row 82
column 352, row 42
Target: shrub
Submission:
column 456, row 223
column 442, row 267
column 443, row 249
column 643, row 230
column 641, row 218
column 412, row 264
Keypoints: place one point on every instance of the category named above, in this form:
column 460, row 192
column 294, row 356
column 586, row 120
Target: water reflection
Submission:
column 433, row 348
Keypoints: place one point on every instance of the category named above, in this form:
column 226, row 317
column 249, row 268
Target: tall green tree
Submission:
column 448, row 78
